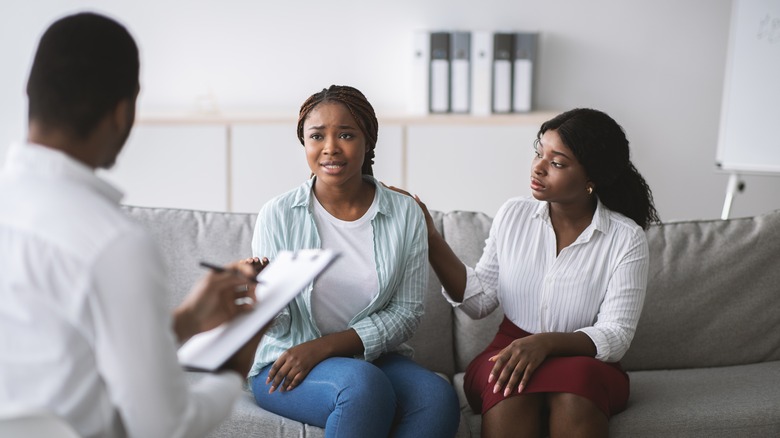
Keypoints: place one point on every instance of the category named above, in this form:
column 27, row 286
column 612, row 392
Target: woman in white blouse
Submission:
column 569, row 267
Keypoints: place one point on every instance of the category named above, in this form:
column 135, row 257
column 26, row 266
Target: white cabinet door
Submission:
column 239, row 166
column 470, row 167
column 267, row 160
column 389, row 159
column 174, row 165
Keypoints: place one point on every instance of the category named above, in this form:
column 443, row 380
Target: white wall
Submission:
column 656, row 66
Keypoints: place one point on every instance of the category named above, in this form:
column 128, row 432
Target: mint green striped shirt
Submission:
column 401, row 253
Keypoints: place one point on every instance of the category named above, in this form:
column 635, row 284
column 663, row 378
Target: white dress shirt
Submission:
column 84, row 330
column 596, row 285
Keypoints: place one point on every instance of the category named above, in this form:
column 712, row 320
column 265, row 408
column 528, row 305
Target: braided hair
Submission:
column 358, row 106
column 601, row 146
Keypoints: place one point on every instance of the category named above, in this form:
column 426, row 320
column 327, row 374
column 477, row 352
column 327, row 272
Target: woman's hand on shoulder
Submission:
column 426, row 213
column 515, row 364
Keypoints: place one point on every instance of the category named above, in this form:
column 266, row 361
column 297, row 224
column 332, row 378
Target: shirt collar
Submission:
column 600, row 221
column 45, row 162
column 304, row 194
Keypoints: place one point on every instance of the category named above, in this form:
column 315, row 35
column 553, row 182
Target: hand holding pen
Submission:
column 249, row 278
column 218, row 297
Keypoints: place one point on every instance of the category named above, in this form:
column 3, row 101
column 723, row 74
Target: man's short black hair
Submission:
column 84, row 66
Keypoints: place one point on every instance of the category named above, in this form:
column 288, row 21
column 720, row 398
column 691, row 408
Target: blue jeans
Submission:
column 354, row 398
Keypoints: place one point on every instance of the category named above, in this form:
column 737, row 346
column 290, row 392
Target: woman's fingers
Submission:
column 276, row 374
column 512, row 368
column 503, row 364
column 293, row 382
column 283, row 375
column 529, row 370
column 517, row 373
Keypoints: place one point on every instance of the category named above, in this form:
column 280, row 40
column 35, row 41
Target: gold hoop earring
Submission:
column 589, row 190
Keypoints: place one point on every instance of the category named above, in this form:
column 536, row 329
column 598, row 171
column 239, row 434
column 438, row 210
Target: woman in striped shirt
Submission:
column 337, row 357
column 569, row 268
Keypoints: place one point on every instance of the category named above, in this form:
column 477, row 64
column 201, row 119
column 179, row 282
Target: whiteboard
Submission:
column 748, row 140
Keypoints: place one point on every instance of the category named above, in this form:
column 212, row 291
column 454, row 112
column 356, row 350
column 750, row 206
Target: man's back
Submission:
column 83, row 318
column 47, row 250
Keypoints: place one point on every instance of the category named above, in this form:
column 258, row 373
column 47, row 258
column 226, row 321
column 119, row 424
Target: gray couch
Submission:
column 705, row 361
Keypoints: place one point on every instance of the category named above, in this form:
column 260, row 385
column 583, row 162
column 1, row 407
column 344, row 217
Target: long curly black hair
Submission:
column 601, row 146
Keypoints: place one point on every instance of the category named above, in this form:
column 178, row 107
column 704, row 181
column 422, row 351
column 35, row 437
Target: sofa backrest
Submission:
column 713, row 295
column 187, row 236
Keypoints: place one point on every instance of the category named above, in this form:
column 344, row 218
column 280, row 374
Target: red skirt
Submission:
column 603, row 383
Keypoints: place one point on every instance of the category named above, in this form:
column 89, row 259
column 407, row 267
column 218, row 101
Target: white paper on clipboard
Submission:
column 278, row 284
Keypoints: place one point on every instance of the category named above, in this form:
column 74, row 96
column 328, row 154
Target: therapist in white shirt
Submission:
column 83, row 328
column 569, row 267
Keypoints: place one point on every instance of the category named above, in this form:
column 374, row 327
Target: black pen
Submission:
column 217, row 268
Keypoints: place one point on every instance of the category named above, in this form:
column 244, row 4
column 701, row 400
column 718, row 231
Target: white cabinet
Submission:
column 266, row 160
column 389, row 165
column 174, row 165
column 453, row 162
column 471, row 168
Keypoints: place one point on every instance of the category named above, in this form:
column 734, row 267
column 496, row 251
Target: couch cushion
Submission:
column 713, row 296
column 739, row 400
column 249, row 420
column 466, row 232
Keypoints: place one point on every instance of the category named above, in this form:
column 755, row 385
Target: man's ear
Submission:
column 123, row 114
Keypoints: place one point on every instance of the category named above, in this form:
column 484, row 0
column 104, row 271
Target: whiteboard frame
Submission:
column 725, row 148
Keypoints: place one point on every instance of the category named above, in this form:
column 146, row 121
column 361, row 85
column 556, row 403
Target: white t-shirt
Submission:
column 84, row 331
column 350, row 284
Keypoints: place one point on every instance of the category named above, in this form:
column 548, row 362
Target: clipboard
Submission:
column 278, row 284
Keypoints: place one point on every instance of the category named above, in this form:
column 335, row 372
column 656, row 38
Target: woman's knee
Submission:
column 440, row 396
column 432, row 398
column 573, row 415
column 572, row 406
column 443, row 404
column 365, row 384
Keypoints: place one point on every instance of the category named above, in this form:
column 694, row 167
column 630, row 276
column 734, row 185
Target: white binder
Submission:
column 417, row 100
column 440, row 72
column 481, row 80
column 460, row 84
column 523, row 71
column 502, row 72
